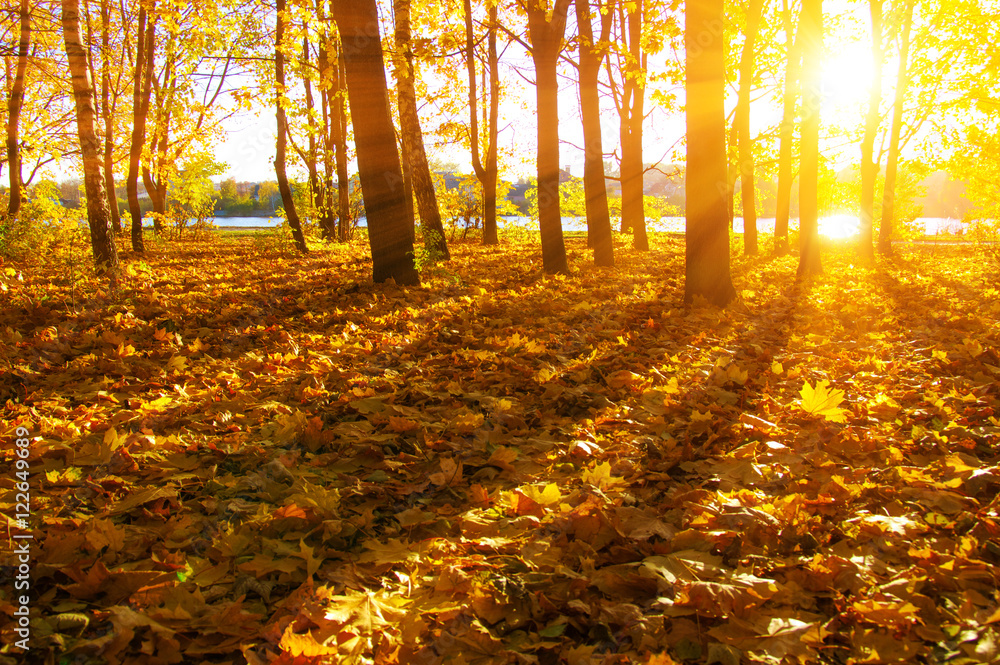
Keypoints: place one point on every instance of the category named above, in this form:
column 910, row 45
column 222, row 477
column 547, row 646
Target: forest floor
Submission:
column 250, row 456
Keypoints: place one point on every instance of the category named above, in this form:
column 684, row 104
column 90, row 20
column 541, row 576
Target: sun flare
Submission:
column 847, row 77
column 839, row 227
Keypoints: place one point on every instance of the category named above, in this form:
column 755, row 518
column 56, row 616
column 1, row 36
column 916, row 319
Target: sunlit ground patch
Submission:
column 838, row 227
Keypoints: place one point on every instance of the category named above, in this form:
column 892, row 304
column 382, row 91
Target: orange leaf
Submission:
column 290, row 510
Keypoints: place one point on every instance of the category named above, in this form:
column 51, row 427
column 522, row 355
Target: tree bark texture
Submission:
column 338, row 127
column 595, row 189
column 389, row 230
column 108, row 114
column 486, row 171
column 491, row 168
column 707, row 271
column 632, row 114
column 281, row 138
column 413, row 140
column 404, row 162
column 14, row 104
column 145, row 50
column 546, row 41
column 101, row 240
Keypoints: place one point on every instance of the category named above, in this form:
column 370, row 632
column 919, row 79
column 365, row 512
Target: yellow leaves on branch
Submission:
column 821, row 401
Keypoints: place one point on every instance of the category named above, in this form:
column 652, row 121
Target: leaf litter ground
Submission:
column 253, row 457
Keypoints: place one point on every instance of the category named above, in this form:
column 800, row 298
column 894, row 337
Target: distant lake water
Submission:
column 834, row 226
column 264, row 222
column 242, row 222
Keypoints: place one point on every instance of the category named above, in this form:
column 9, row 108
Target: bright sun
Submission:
column 838, row 227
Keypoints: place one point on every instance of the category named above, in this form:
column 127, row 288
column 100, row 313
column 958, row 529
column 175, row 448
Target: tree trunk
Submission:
column 486, row 172
column 331, row 101
column 892, row 161
column 154, row 173
column 338, row 124
column 869, row 168
column 101, row 240
column 707, row 236
column 491, row 166
column 733, row 173
column 108, row 113
column 14, row 103
column 328, row 152
column 404, row 162
column 787, row 131
column 595, row 189
column 413, row 140
column 378, row 161
column 546, row 42
column 747, row 178
column 157, row 191
column 317, row 192
column 281, row 138
column 810, row 262
column 145, row 49
column 633, row 110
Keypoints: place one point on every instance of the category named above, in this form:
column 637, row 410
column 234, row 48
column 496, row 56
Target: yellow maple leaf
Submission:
column 972, row 347
column 112, row 439
column 363, row 611
column 545, row 496
column 735, row 374
column 600, row 476
column 820, row 401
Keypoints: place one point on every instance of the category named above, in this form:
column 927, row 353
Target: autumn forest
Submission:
column 585, row 332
